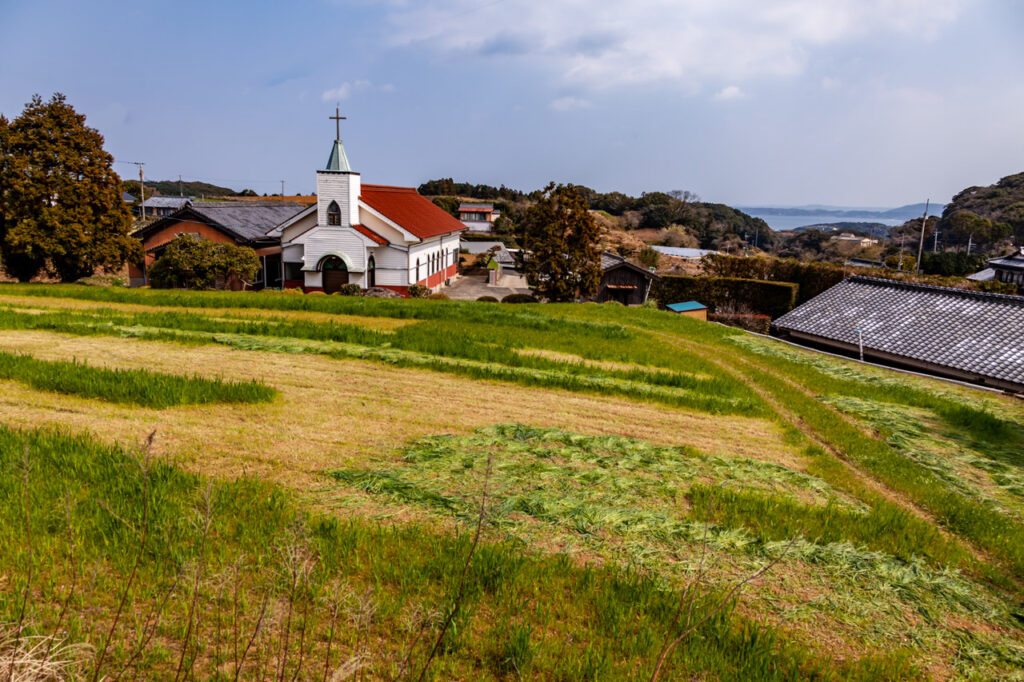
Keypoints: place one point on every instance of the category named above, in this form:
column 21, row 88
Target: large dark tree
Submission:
column 562, row 240
column 61, row 200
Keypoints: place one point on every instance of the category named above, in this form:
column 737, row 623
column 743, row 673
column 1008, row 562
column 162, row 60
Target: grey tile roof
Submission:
column 167, row 202
column 969, row 331
column 248, row 220
column 1015, row 261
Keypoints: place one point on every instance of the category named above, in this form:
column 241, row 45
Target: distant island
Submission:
column 903, row 213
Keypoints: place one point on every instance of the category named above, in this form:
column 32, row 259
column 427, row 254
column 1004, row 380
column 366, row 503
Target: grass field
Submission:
column 632, row 460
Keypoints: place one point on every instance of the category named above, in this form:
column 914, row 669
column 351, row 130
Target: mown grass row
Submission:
column 165, row 574
column 634, row 503
column 128, row 386
column 450, row 352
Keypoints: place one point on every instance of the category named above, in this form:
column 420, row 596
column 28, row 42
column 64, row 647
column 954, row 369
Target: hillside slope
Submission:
column 609, row 457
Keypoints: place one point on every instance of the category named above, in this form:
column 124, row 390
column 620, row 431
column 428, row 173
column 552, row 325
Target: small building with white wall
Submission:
column 369, row 235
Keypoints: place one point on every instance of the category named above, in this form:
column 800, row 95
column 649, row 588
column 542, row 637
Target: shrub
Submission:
column 418, row 291
column 612, row 302
column 652, row 303
column 487, row 299
column 439, row 296
column 752, row 323
column 350, row 289
column 519, row 298
column 195, row 263
column 292, row 291
column 766, row 298
column 316, row 293
column 381, row 292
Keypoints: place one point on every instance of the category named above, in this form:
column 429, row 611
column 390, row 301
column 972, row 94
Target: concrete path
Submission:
column 472, row 287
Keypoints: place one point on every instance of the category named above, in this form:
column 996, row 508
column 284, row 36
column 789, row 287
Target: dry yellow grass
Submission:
column 599, row 364
column 40, row 304
column 341, row 412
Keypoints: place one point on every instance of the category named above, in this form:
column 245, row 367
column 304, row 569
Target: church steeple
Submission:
column 338, row 161
column 337, row 185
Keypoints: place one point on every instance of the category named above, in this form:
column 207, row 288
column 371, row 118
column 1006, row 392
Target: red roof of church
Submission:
column 367, row 232
column 413, row 212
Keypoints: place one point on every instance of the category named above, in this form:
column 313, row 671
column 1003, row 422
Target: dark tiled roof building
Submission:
column 966, row 335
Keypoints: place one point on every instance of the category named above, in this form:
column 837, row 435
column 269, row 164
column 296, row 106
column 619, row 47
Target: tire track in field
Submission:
column 868, row 481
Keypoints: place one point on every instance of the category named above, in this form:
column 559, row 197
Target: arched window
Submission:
column 333, row 214
column 417, row 269
column 371, row 273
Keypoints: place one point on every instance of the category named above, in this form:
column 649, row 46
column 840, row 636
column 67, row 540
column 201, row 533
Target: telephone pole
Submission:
column 282, row 188
column 142, row 188
column 920, row 246
column 180, row 193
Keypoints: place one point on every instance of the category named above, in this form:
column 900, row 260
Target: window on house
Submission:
column 333, row 214
column 417, row 269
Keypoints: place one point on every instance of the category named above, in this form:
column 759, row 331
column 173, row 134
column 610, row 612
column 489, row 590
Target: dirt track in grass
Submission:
column 335, row 413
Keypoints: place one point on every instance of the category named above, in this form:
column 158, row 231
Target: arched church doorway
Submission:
column 371, row 273
column 335, row 274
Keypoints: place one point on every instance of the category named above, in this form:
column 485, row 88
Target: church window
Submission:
column 333, row 214
column 417, row 269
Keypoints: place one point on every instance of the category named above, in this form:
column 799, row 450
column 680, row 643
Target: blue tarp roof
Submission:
column 683, row 307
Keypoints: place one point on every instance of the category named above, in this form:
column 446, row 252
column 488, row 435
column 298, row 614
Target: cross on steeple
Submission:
column 337, row 118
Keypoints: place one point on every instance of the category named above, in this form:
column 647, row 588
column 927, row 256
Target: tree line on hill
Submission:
column 680, row 217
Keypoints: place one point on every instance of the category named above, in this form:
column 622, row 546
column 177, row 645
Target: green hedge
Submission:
column 728, row 294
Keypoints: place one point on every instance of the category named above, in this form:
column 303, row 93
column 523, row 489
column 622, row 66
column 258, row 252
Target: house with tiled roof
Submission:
column 967, row 335
column 369, row 235
column 233, row 222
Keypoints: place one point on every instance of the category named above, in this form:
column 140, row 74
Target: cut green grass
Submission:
column 87, row 527
column 128, row 386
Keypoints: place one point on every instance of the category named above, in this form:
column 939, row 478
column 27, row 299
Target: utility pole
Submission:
column 142, row 188
column 935, row 244
column 901, row 251
column 920, row 247
column 282, row 188
column 180, row 192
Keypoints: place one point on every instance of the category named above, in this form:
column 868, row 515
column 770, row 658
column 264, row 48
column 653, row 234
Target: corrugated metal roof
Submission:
column 969, row 331
column 248, row 221
column 986, row 275
column 476, row 207
column 414, row 213
column 683, row 307
column 680, row 252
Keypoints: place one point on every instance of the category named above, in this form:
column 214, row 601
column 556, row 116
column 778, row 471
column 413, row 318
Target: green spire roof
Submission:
column 338, row 160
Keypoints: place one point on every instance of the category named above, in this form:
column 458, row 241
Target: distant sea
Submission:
column 781, row 223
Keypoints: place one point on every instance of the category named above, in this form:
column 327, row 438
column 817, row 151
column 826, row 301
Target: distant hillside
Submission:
column 1002, row 202
column 174, row 188
column 861, row 229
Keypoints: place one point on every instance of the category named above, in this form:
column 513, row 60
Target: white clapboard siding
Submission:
column 337, row 240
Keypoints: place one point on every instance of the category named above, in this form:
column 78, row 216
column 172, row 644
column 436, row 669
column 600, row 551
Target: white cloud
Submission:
column 688, row 43
column 347, row 89
column 729, row 92
column 570, row 103
column 830, row 83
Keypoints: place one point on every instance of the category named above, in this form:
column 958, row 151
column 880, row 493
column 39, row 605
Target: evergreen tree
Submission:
column 562, row 240
column 60, row 199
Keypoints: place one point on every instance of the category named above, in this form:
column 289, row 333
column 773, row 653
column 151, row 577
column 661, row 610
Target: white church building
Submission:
column 370, row 235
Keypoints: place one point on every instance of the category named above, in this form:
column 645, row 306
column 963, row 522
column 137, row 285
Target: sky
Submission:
column 745, row 102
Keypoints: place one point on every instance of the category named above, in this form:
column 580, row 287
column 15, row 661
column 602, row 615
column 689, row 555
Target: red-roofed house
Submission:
column 370, row 235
